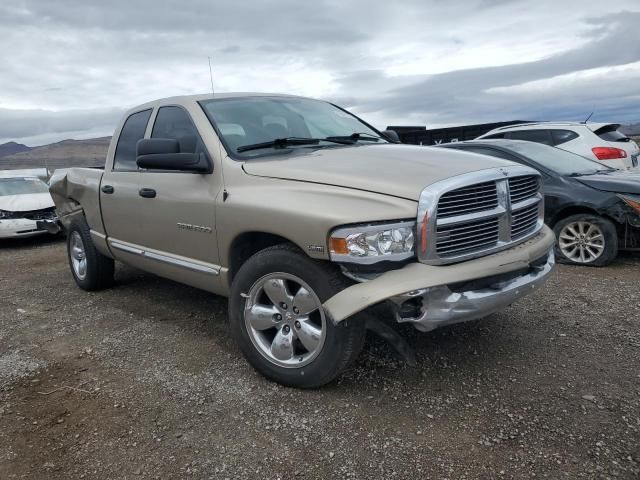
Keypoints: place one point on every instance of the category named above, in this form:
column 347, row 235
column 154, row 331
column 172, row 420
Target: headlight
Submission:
column 4, row 214
column 372, row 243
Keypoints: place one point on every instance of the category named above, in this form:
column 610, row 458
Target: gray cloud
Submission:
column 71, row 66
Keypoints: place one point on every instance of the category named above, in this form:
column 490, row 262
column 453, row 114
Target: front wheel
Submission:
column 276, row 316
column 585, row 239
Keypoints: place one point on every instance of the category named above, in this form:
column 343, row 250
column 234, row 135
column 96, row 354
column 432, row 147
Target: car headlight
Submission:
column 373, row 243
column 4, row 214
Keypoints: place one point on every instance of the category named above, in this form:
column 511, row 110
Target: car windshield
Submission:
column 22, row 186
column 557, row 160
column 251, row 121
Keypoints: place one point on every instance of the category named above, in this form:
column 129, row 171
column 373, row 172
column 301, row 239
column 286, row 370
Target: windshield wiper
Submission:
column 289, row 141
column 370, row 137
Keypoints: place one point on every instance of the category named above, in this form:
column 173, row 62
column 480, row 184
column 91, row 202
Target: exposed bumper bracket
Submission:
column 438, row 306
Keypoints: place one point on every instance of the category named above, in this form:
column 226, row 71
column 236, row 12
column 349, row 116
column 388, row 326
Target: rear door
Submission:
column 120, row 184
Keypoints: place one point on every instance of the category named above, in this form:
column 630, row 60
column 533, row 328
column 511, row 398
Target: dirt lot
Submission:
column 142, row 381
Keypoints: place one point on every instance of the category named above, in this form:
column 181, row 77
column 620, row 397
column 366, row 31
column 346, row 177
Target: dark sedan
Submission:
column 594, row 210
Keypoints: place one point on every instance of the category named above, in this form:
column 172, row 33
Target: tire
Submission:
column 586, row 239
column 306, row 360
column 90, row 269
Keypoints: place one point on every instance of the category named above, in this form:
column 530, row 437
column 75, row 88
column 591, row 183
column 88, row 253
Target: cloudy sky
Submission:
column 70, row 67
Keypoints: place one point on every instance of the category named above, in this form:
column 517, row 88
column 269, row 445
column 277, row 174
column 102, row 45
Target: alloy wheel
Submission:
column 581, row 242
column 78, row 256
column 285, row 320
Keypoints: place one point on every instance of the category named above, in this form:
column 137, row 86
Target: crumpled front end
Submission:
column 433, row 307
column 430, row 296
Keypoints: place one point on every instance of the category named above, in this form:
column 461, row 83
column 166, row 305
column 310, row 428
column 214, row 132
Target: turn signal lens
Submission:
column 608, row 153
column 633, row 203
column 338, row 245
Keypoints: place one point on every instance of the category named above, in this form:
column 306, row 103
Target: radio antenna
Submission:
column 211, row 75
column 587, row 119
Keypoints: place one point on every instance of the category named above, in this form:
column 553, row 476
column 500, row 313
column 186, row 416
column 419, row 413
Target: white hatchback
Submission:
column 25, row 201
column 598, row 141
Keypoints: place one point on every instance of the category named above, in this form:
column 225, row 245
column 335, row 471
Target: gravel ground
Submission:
column 142, row 381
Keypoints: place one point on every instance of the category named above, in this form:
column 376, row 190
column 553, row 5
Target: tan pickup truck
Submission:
column 304, row 216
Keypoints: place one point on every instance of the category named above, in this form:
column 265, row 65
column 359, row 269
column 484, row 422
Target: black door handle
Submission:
column 107, row 189
column 147, row 193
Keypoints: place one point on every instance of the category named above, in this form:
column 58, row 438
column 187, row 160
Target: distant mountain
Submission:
column 67, row 153
column 632, row 130
column 10, row 148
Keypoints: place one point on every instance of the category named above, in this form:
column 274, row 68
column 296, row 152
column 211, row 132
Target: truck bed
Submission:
column 77, row 189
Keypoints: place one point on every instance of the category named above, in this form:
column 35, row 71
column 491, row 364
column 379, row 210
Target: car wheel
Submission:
column 585, row 239
column 276, row 316
column 91, row 270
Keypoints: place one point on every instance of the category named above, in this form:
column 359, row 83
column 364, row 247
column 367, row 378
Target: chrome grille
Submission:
column 524, row 221
column 465, row 200
column 465, row 237
column 521, row 188
column 478, row 213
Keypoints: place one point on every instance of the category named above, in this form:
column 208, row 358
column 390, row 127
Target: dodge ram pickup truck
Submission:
column 304, row 216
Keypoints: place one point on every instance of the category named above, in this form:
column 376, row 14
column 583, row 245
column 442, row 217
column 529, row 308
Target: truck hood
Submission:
column 617, row 182
column 26, row 203
column 391, row 169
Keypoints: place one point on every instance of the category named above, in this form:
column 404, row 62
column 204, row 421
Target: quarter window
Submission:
column 562, row 136
column 132, row 131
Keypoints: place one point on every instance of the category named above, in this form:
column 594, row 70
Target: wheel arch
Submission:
column 578, row 209
column 247, row 244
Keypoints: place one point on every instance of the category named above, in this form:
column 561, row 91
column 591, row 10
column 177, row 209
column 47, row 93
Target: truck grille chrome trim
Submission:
column 479, row 213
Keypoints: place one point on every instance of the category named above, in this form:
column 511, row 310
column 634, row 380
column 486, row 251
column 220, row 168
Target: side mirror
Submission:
column 392, row 135
column 164, row 154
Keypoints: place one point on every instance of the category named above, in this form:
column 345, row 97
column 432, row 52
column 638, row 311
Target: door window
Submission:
column 132, row 131
column 537, row 136
column 175, row 123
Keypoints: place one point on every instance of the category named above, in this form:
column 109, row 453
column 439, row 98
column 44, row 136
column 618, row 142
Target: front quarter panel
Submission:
column 302, row 212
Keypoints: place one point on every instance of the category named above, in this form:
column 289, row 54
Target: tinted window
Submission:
column 538, row 136
column 174, row 123
column 132, row 131
column 562, row 136
column 611, row 134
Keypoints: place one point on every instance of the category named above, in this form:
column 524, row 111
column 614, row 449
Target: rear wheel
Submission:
column 585, row 239
column 276, row 316
column 91, row 270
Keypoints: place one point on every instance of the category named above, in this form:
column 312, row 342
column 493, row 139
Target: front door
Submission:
column 171, row 215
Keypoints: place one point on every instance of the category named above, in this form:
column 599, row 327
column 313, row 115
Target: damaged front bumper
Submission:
column 431, row 296
column 433, row 307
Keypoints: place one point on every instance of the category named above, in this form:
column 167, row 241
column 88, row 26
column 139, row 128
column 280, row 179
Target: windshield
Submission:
column 22, row 186
column 557, row 160
column 255, row 120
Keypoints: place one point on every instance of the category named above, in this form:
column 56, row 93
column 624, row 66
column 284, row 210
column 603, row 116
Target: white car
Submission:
column 24, row 203
column 598, row 141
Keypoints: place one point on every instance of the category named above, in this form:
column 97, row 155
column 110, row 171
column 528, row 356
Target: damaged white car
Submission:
column 25, row 203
